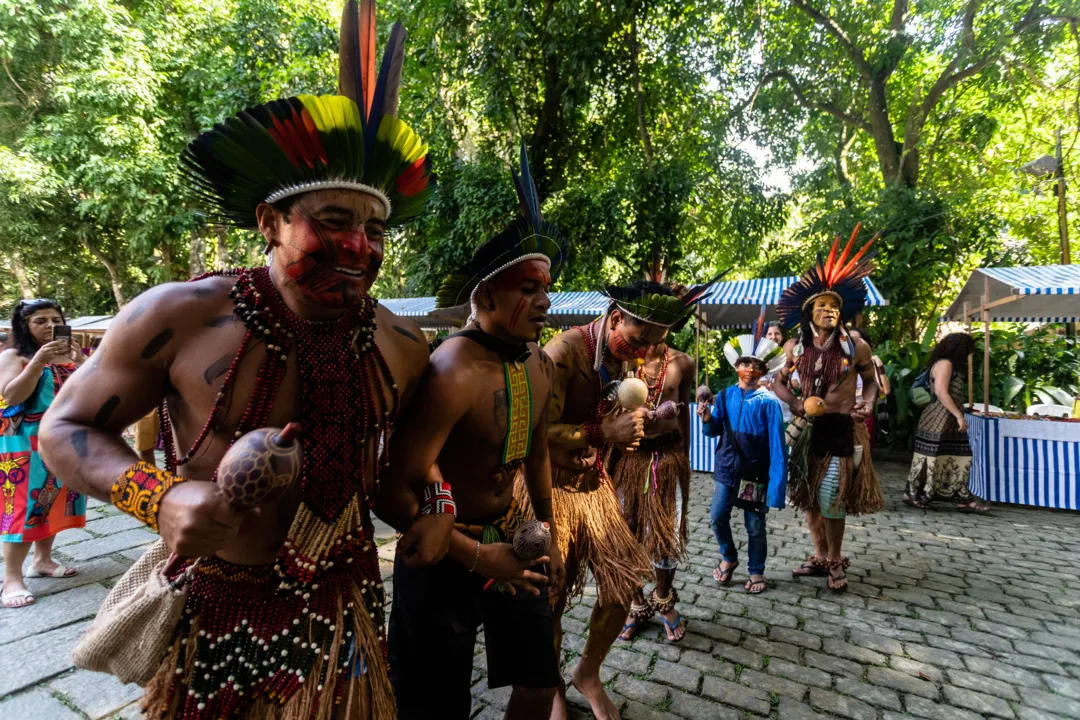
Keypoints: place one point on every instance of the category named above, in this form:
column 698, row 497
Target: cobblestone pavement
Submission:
column 947, row 617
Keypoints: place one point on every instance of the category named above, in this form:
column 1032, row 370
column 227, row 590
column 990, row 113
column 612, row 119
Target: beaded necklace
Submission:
column 657, row 388
column 260, row 632
column 604, row 404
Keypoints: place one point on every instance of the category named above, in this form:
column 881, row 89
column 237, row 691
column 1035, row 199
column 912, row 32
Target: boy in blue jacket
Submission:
column 751, row 460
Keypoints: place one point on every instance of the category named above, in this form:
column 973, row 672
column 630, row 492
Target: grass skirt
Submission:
column 593, row 536
column 860, row 490
column 648, row 482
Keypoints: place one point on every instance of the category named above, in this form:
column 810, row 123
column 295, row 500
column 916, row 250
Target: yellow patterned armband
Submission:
column 138, row 491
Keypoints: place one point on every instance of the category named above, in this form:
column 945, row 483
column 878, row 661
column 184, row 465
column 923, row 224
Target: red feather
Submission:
column 838, row 270
column 367, row 52
column 826, row 270
column 319, row 152
column 414, row 179
column 858, row 256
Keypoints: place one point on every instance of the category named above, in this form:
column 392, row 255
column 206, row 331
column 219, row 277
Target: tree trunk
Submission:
column 167, row 260
column 881, row 128
column 222, row 261
column 546, row 132
column 114, row 273
column 639, row 94
column 197, row 254
column 18, row 267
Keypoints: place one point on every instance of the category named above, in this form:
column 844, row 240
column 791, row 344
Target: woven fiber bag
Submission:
column 134, row 626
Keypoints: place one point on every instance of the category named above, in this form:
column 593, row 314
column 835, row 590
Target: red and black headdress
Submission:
column 839, row 277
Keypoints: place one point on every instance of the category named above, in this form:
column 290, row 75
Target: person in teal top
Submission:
column 751, row 460
column 36, row 504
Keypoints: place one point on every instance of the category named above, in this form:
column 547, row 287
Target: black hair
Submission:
column 22, row 339
column 954, row 347
column 762, row 365
column 285, row 205
column 778, row 326
column 643, row 287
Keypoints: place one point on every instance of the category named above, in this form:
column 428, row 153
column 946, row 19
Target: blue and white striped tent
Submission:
column 1032, row 294
column 736, row 303
column 567, row 309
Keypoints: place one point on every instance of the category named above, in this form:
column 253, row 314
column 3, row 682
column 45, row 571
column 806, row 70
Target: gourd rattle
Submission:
column 260, row 465
column 532, row 541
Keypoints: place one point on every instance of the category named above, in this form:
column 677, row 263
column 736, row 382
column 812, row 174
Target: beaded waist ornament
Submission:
column 278, row 634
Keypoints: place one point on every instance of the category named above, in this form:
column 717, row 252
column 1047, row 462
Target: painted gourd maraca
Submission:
column 668, row 410
column 532, row 540
column 704, row 395
column 814, row 406
column 260, row 465
column 633, row 393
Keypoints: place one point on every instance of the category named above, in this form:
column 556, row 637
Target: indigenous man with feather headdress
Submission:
column 653, row 482
column 585, row 424
column 830, row 470
column 283, row 616
column 484, row 420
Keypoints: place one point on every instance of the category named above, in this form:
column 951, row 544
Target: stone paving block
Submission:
column 775, row 618
column 52, row 611
column 977, row 702
column 944, row 618
column 877, row 696
column 1026, row 713
column 691, row 641
column 637, row 711
column 834, row 665
column 885, row 645
column 641, row 690
column 824, row 629
column 69, row 537
column 739, row 656
column 1003, row 671
column 795, row 637
column 1050, row 702
column 772, row 684
column 841, row 706
column 681, row 676
column 982, row 684
column 1061, row 640
column 1068, row 687
column 1006, row 631
column 800, row 673
column 920, row 626
column 707, row 664
column 921, row 707
column 746, row 625
column 789, row 709
column 982, row 640
column 853, row 652
column 696, row 708
column 772, row 649
column 916, row 668
column 90, row 549
column 632, row 662
column 28, row 661
column 664, row 651
column 728, row 635
column 113, row 525
column 36, row 705
column 887, row 677
column 1049, row 652
column 756, row 701
column 96, row 694
column 90, row 573
column 955, row 646
column 965, row 609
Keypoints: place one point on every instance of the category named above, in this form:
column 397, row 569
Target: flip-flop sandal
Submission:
column 634, row 626
column 60, row 572
column 9, row 600
column 811, row 568
column 718, row 574
column 835, row 579
column 753, row 583
column 670, row 627
column 976, row 510
column 917, row 503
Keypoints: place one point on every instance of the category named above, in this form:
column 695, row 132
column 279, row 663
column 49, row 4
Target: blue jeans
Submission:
column 757, row 545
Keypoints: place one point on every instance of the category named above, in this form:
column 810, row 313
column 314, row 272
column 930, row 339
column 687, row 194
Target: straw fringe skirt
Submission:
column 649, row 482
column 860, row 490
column 593, row 537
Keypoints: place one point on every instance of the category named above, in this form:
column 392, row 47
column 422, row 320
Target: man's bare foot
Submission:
column 673, row 625
column 594, row 692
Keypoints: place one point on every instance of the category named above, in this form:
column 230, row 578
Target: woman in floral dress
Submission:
column 36, row 504
column 942, row 462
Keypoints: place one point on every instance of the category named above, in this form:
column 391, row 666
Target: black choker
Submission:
column 507, row 351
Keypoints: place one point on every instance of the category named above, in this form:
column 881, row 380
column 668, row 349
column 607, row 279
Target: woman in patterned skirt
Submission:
column 36, row 504
column 942, row 462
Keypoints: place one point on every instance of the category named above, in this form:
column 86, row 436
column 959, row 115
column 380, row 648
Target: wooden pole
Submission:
column 970, row 359
column 706, row 350
column 697, row 345
column 1063, row 220
column 986, row 344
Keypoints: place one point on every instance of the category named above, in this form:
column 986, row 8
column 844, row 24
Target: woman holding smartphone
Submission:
column 35, row 503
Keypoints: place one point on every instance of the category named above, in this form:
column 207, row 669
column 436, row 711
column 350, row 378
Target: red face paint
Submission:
column 749, row 373
column 622, row 349
column 521, row 300
column 333, row 265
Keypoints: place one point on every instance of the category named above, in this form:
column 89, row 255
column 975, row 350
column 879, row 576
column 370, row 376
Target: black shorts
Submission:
column 433, row 623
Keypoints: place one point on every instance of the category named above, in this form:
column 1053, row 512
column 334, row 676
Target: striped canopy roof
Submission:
column 1046, row 293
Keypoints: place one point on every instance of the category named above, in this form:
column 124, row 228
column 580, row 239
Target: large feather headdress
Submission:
column 839, row 277
column 529, row 237
column 756, row 346
column 670, row 311
column 353, row 140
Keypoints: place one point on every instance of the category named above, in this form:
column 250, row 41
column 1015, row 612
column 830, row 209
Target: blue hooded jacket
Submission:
column 757, row 425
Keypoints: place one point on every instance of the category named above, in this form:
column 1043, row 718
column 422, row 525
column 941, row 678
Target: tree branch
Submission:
column 802, row 99
column 830, row 26
column 899, row 9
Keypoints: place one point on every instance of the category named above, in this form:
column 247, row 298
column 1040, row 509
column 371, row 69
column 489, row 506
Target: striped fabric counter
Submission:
column 1026, row 462
column 702, row 449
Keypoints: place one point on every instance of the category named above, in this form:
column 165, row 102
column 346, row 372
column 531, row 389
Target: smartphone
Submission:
column 61, row 331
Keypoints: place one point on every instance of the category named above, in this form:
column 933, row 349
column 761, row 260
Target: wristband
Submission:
column 138, row 491
column 438, row 500
column 594, row 435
